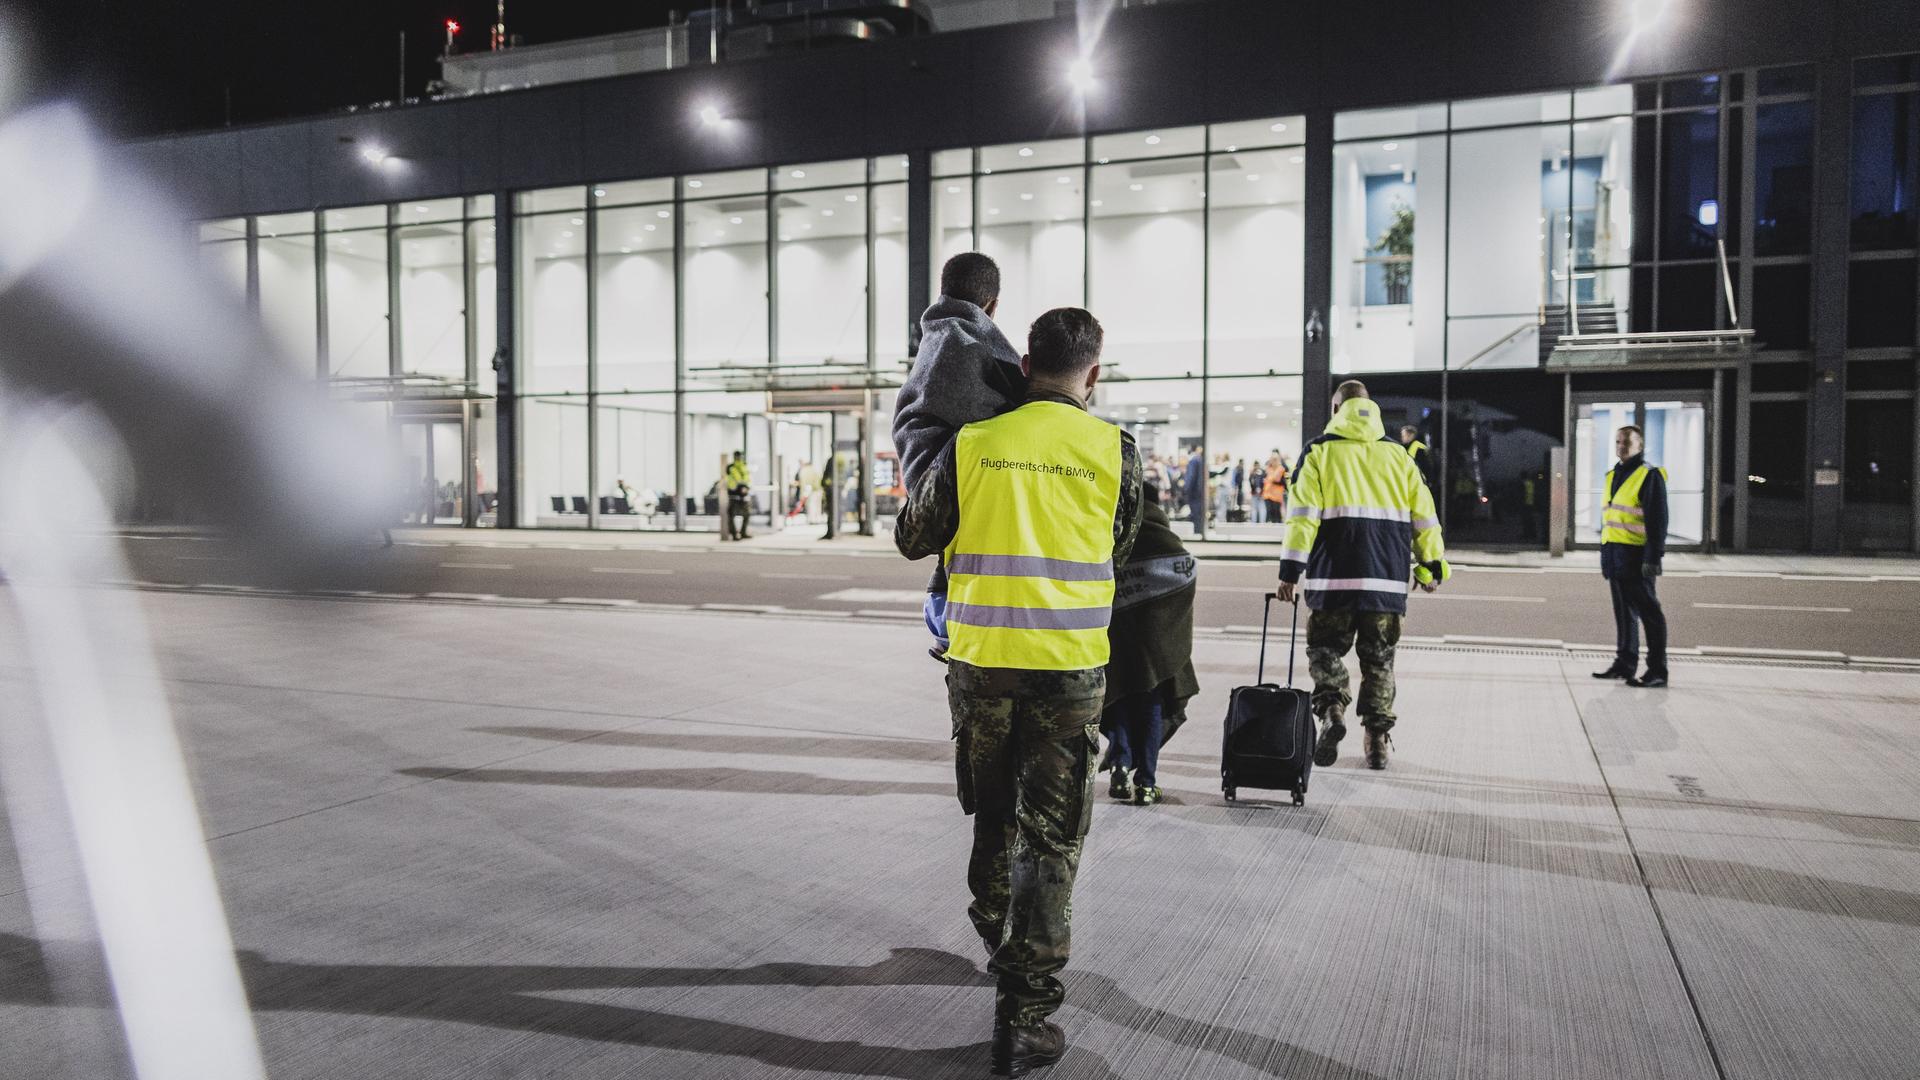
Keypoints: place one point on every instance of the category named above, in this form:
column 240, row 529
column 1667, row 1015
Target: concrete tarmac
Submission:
column 474, row 840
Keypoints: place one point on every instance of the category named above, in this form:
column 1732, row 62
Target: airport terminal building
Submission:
column 576, row 282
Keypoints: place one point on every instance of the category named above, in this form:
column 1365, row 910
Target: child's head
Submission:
column 972, row 277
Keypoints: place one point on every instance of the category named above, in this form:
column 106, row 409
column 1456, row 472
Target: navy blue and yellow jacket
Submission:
column 1358, row 513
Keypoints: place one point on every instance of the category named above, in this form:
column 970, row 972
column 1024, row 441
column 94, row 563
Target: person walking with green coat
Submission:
column 1150, row 674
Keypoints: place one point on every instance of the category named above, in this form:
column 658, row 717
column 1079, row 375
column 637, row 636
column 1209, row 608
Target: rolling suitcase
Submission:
column 1270, row 731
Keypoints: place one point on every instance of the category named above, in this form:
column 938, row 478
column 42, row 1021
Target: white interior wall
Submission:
column 288, row 305
column 890, row 299
column 553, row 328
column 726, row 307
column 1496, row 286
column 357, row 312
column 636, row 321
column 1147, row 292
column 636, row 443
column 1042, row 266
column 1256, row 290
column 486, row 326
column 553, row 458
column 823, row 300
column 433, row 321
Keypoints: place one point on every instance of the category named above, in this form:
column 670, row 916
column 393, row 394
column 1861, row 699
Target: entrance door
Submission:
column 432, row 452
column 1677, row 427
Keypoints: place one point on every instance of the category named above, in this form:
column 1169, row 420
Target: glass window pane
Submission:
column 1375, row 123
column 1164, row 417
column 952, row 224
column 820, row 174
column 357, row 304
column 550, row 199
column 1031, row 224
column 823, row 277
column 1886, row 171
column 552, row 322
column 1255, row 251
column 1690, row 159
column 636, row 460
column 419, row 213
column 1603, row 175
column 289, row 303
column 891, row 316
column 1148, row 252
column 226, row 260
column 952, row 162
column 739, row 182
column 725, row 304
column 553, row 463
column 355, row 217
column 1878, row 493
column 1880, row 375
column 1163, row 142
column 1887, row 70
column 1603, row 101
column 1797, row 79
column 890, row 168
column 1389, row 254
column 1512, row 208
column 719, row 423
column 1689, row 298
column 629, row 192
column 1783, row 179
column 634, row 332
column 1499, row 430
column 1777, row 476
column 1247, row 134
column 1772, row 376
column 1880, row 302
column 285, row 224
column 1523, row 109
column 1782, row 312
column 479, row 206
column 433, row 308
column 486, row 305
column 1032, row 155
column 223, row 229
column 1252, row 425
column 1693, row 90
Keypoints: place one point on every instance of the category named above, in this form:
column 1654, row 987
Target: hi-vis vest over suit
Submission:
column 1031, row 565
column 1625, row 520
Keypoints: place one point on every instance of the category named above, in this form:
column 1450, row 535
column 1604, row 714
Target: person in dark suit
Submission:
column 1633, row 538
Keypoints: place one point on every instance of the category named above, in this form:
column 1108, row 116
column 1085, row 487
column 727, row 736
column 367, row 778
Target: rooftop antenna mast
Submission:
column 499, row 36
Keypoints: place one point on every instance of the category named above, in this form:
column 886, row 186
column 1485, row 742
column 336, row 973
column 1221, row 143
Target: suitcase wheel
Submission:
column 1299, row 796
column 1232, row 793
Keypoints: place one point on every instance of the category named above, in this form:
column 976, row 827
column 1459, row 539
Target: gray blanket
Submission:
column 966, row 371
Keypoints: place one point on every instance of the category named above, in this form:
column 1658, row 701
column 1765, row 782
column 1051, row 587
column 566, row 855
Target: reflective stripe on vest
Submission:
column 1624, row 520
column 1030, row 569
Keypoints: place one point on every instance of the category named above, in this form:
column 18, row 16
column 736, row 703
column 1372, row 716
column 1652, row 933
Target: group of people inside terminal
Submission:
column 1062, row 601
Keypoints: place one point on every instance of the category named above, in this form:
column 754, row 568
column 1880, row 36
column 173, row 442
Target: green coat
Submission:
column 1152, row 629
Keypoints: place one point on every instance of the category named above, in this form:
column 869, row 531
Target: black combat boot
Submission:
column 1120, row 787
column 1327, row 750
column 1378, row 743
column 1018, row 1051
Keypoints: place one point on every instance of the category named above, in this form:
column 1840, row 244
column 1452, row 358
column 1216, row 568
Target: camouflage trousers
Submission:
column 1333, row 634
column 1025, row 745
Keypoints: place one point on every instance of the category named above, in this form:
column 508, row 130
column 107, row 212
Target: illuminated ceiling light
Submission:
column 626, row 251
column 984, row 171
column 1277, row 127
column 375, row 155
column 826, row 213
column 1136, row 187
column 798, row 174
column 1153, row 140
column 853, row 198
column 784, row 238
column 1296, row 159
column 1063, row 179
column 663, row 213
column 1239, row 408
column 1259, row 416
column 1231, row 148
column 1252, row 176
column 599, row 193
column 1026, row 196
column 1026, row 151
column 650, row 228
column 1103, row 160
column 1389, row 146
column 1142, row 410
column 696, row 183
column 734, row 220
column 1080, row 75
column 710, row 115
column 953, row 189
column 419, row 209
column 1397, row 167
column 576, row 221
column 566, row 234
column 1099, row 202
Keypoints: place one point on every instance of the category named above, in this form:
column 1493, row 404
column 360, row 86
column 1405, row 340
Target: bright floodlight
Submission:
column 1648, row 12
column 375, row 155
column 710, row 115
column 1080, row 74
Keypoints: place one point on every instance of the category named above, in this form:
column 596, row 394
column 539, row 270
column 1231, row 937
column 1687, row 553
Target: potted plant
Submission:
column 1397, row 243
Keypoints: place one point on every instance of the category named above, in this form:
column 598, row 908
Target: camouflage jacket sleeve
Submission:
column 1126, row 517
column 931, row 516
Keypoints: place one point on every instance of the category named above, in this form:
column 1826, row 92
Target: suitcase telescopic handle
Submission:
column 1293, row 641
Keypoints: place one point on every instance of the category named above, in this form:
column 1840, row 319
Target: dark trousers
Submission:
column 1136, row 725
column 1026, row 766
column 1635, row 602
column 738, row 510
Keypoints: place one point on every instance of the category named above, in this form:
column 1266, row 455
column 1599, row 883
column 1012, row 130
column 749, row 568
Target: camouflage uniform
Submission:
column 1024, row 758
column 1025, row 764
column 1331, row 634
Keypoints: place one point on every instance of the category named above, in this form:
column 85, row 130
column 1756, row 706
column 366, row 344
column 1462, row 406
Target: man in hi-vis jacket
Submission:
column 1359, row 512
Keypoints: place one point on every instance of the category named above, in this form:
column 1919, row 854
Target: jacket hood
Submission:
column 1359, row 419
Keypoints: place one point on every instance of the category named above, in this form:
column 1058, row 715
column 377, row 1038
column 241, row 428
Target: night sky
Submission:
column 169, row 65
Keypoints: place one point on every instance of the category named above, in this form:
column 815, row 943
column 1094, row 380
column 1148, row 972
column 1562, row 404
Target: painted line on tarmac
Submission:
column 632, row 570
column 1774, row 607
column 877, row 596
column 476, row 566
column 809, row 577
column 1823, row 577
column 479, row 596
column 1444, row 595
column 204, row 558
column 1771, row 654
column 757, row 609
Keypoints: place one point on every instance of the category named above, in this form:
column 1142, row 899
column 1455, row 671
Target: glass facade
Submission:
column 661, row 324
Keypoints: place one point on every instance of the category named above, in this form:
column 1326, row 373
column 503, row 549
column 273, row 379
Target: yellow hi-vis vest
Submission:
column 1625, row 520
column 1030, row 569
